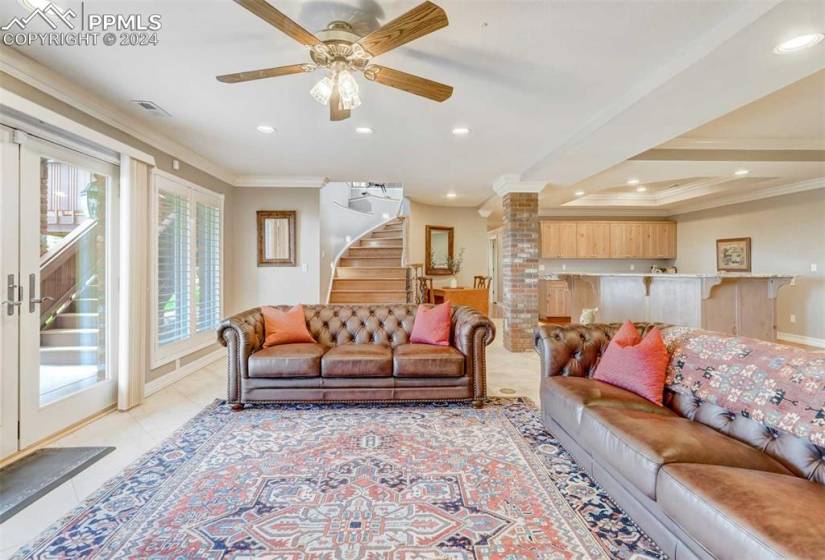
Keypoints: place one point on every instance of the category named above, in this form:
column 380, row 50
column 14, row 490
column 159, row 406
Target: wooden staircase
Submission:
column 370, row 270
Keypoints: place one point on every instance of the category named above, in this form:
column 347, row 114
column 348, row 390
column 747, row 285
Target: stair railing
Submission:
column 67, row 268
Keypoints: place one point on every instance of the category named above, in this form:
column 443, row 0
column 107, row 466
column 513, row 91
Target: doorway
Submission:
column 58, row 280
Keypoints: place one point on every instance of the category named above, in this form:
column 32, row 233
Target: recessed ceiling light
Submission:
column 451, row 195
column 632, row 182
column 641, row 189
column 363, row 130
column 741, row 172
column 798, row 43
column 461, row 131
column 265, row 129
column 579, row 193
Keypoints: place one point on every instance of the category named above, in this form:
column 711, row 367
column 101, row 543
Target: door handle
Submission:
column 10, row 302
column 33, row 300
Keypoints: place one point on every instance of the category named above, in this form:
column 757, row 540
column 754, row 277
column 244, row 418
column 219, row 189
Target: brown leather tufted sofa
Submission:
column 701, row 481
column 362, row 354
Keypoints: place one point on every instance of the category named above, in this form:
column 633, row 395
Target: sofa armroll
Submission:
column 467, row 323
column 242, row 335
column 472, row 333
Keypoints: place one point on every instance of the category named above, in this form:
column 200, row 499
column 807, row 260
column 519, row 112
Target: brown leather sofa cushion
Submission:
column 425, row 360
column 567, row 397
column 287, row 360
column 740, row 513
column 357, row 360
column 637, row 443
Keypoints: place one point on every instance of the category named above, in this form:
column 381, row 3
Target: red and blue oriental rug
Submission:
column 375, row 482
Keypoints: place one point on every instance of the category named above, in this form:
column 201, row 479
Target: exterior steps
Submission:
column 370, row 270
column 73, row 337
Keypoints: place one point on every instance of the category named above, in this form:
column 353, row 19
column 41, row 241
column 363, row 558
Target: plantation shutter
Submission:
column 207, row 267
column 173, row 267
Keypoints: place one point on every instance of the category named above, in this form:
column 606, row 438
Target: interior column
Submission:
column 519, row 269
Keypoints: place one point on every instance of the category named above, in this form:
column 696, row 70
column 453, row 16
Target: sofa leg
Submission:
column 478, row 403
column 236, row 406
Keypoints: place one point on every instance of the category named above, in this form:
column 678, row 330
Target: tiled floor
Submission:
column 134, row 432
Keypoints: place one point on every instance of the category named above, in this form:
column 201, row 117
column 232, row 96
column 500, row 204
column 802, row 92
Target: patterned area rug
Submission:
column 349, row 482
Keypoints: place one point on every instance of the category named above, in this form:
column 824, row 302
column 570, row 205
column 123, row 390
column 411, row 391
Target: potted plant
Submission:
column 454, row 264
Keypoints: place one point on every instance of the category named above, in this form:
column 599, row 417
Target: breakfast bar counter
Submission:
column 735, row 303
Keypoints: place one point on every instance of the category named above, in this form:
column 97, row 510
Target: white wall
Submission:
column 470, row 233
column 787, row 236
column 254, row 286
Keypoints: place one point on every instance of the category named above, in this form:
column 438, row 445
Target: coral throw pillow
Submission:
column 285, row 327
column 432, row 326
column 635, row 363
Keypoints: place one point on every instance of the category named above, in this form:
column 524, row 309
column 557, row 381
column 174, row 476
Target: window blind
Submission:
column 173, row 267
column 207, row 267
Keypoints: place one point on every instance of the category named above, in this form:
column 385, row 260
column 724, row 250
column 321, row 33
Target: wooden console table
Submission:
column 478, row 299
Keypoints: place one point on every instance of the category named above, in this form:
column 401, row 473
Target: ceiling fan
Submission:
column 341, row 52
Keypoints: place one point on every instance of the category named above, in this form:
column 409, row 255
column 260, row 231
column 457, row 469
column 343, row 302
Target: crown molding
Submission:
column 512, row 183
column 54, row 84
column 271, row 181
column 687, row 143
column 574, row 212
column 770, row 192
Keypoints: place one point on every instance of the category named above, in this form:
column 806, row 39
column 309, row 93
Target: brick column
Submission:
column 519, row 268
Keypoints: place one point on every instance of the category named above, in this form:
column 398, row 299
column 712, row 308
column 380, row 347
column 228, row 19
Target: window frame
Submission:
column 163, row 181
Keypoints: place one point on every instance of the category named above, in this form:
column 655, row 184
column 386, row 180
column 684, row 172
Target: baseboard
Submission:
column 164, row 381
column 799, row 339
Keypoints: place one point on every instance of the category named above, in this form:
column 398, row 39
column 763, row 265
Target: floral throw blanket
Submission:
column 780, row 386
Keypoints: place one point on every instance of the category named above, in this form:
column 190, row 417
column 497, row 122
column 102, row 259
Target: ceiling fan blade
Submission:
column 277, row 19
column 336, row 113
column 419, row 21
column 408, row 82
column 264, row 73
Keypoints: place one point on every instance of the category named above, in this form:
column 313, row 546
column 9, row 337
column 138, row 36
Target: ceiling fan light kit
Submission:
column 341, row 53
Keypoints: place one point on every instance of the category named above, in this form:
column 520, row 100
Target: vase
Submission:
column 453, row 282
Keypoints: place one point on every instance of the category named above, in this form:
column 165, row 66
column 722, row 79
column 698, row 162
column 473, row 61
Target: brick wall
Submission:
column 519, row 267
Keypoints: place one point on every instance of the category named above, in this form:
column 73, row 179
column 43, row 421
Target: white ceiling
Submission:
column 543, row 85
column 778, row 140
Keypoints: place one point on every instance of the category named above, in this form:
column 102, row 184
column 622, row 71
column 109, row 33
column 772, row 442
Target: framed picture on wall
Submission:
column 733, row 255
column 276, row 237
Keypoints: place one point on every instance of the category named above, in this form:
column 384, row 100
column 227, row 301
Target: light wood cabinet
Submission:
column 627, row 240
column 593, row 240
column 555, row 299
column 558, row 240
column 659, row 240
column 608, row 240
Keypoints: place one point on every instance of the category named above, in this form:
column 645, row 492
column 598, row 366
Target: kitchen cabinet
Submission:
column 567, row 239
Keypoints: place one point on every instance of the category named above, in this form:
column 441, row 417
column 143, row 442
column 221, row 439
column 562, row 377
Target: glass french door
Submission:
column 63, row 286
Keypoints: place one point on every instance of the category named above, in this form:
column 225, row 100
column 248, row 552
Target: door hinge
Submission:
column 18, row 430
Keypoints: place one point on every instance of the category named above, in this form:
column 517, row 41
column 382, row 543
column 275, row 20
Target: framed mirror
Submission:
column 276, row 237
column 438, row 250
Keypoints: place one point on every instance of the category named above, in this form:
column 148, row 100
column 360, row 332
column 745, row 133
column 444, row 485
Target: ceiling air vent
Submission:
column 152, row 108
